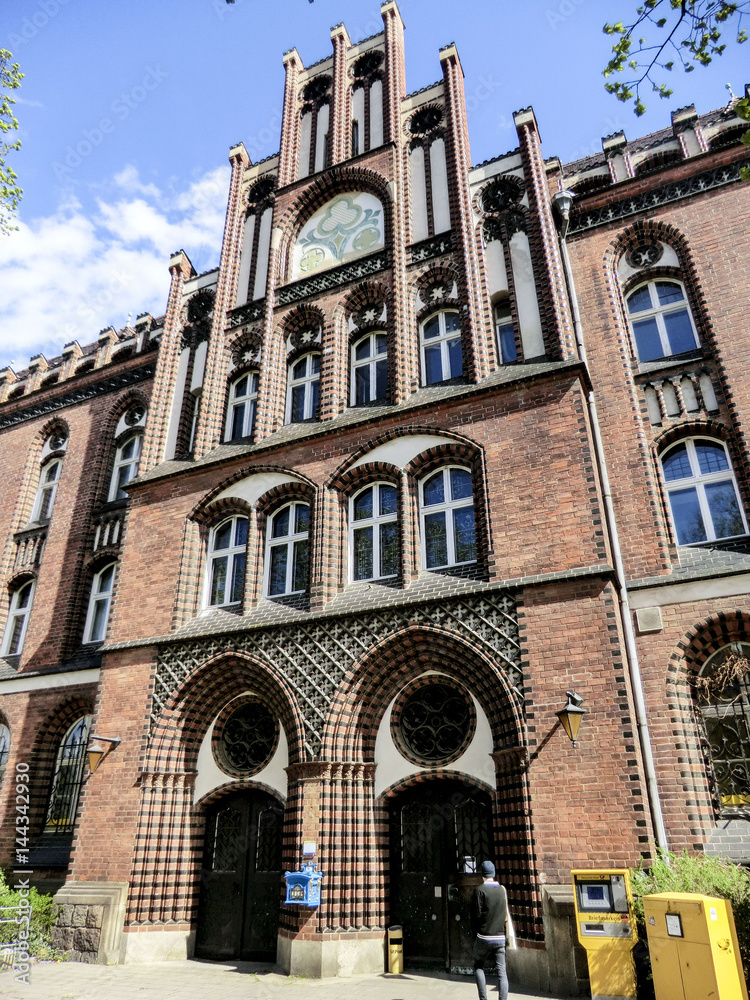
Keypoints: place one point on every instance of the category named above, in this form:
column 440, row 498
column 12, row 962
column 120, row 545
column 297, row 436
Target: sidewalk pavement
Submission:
column 196, row 980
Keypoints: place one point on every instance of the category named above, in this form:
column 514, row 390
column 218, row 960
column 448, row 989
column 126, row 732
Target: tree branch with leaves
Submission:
column 10, row 192
column 665, row 34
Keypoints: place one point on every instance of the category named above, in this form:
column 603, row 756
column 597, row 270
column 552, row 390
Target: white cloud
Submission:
column 68, row 275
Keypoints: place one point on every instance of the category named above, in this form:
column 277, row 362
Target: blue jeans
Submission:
column 496, row 951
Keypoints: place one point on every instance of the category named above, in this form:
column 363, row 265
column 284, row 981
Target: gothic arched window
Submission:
column 68, row 778
column 724, row 691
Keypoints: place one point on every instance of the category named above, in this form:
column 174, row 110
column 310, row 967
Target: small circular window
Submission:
column 433, row 722
column 245, row 738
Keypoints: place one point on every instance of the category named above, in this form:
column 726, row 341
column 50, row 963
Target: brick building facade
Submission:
column 326, row 545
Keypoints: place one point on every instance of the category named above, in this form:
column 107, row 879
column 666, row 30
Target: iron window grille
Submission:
column 727, row 721
column 68, row 778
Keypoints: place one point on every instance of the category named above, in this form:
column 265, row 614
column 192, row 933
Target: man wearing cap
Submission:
column 489, row 913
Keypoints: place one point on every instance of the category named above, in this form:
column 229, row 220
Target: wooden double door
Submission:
column 440, row 832
column 241, row 878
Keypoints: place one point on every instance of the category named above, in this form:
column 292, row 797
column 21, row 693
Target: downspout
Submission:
column 562, row 202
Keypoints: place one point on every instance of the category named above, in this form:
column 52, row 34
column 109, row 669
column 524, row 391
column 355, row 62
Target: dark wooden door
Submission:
column 241, row 879
column 438, row 831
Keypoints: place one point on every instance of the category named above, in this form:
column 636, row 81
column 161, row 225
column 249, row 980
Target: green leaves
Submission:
column 684, row 32
column 10, row 192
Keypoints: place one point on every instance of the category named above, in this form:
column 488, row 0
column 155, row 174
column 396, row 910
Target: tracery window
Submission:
column 441, row 347
column 18, row 619
column 447, row 519
column 243, row 401
column 724, row 690
column 68, row 778
column 287, row 550
column 100, row 600
column 373, row 533
column 227, row 557
column 303, row 396
column 702, row 491
column 661, row 320
column 369, row 369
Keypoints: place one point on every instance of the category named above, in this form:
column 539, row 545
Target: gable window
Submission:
column 68, row 778
column 441, row 348
column 661, row 320
column 243, row 400
column 99, row 603
column 18, row 619
column 287, row 550
column 47, row 490
column 226, row 563
column 125, row 468
column 369, row 369
column 373, row 532
column 447, row 515
column 702, row 491
column 303, row 398
column 506, row 335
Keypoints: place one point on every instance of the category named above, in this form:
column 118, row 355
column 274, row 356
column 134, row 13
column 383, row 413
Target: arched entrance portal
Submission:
column 440, row 831
column 240, row 895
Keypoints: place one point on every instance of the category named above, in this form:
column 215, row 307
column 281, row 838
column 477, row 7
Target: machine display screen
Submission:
column 594, row 897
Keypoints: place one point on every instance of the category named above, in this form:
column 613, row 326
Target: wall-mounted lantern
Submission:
column 572, row 715
column 96, row 752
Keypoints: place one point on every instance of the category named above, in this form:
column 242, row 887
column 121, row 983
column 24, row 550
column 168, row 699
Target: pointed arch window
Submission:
column 287, row 548
column 18, row 619
column 47, row 490
column 68, row 778
column 225, row 580
column 303, row 396
column 373, row 533
column 661, row 320
column 102, row 589
column 441, row 348
column 243, row 401
column 447, row 516
column 369, row 369
column 702, row 490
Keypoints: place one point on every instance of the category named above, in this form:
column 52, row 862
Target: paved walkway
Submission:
column 194, row 980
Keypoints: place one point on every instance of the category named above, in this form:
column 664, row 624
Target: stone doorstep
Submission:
column 94, row 914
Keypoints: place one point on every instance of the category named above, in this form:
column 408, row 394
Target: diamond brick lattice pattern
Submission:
column 314, row 658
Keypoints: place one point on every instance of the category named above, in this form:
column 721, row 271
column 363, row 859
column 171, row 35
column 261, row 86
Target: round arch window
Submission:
column 433, row 722
column 245, row 737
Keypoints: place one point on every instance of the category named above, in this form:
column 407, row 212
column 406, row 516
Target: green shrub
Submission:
column 702, row 874
column 42, row 918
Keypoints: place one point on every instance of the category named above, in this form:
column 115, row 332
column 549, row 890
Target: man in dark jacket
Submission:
column 489, row 911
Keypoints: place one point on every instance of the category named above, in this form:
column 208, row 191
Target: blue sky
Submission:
column 128, row 110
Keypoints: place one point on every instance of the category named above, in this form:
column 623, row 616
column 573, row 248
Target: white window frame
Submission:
column 289, row 541
column 129, row 466
column 5, row 742
column 100, row 598
column 47, row 488
column 371, row 363
column 307, row 380
column 503, row 317
column 18, row 613
column 658, row 312
column 698, row 481
column 447, row 506
column 249, row 402
column 443, row 340
column 373, row 522
column 231, row 552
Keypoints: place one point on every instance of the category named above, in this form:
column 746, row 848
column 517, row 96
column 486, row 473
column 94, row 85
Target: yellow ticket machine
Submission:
column 693, row 946
column 606, row 929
